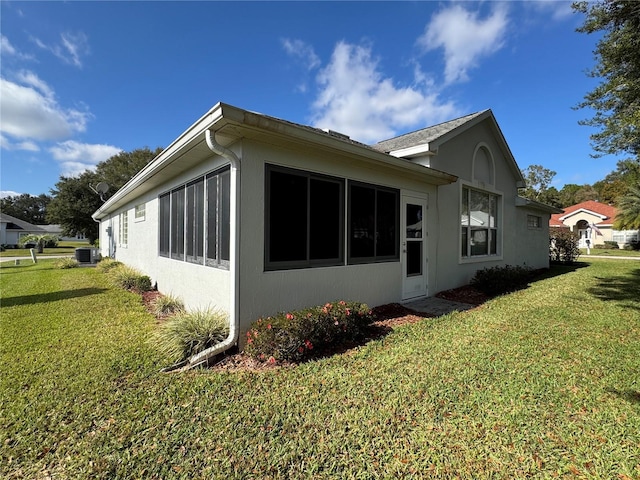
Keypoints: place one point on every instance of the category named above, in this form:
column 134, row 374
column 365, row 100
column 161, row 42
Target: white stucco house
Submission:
column 12, row 229
column 593, row 221
column 256, row 215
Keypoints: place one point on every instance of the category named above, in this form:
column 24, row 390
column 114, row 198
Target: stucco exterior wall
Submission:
column 198, row 286
column 268, row 292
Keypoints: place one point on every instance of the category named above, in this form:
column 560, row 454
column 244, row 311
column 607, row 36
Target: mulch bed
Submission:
column 387, row 316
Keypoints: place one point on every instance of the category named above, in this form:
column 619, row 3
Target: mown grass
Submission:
column 614, row 252
column 541, row 383
column 63, row 248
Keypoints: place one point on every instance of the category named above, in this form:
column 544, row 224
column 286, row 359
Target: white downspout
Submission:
column 234, row 248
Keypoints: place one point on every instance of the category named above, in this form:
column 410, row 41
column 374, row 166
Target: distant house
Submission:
column 256, row 215
column 12, row 229
column 57, row 230
column 593, row 222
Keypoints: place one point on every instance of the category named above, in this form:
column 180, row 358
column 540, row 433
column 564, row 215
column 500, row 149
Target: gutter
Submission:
column 234, row 314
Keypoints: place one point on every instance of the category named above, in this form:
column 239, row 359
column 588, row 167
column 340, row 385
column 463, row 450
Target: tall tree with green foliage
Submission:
column 28, row 208
column 616, row 100
column 74, row 200
column 538, row 179
column 628, row 216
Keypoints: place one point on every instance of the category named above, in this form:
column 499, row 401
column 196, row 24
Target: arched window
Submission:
column 483, row 165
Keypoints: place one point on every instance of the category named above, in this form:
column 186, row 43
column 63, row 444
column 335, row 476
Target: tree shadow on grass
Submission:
column 557, row 269
column 631, row 396
column 49, row 297
column 623, row 288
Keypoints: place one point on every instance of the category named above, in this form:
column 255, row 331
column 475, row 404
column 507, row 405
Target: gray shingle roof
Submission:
column 424, row 136
column 21, row 224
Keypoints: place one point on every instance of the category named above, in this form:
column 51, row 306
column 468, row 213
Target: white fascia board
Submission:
column 583, row 210
column 414, row 151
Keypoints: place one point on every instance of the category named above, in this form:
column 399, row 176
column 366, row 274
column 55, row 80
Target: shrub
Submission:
column 632, row 246
column 129, row 278
column 66, row 262
column 610, row 244
column 166, row 305
column 563, row 246
column 188, row 333
column 294, row 336
column 500, row 280
column 107, row 264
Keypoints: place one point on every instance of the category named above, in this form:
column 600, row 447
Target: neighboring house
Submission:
column 12, row 229
column 256, row 215
column 593, row 222
column 57, row 231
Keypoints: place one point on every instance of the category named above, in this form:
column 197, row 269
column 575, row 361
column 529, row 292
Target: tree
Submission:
column 74, row 201
column 616, row 100
column 586, row 192
column 41, row 241
column 537, row 179
column 628, row 216
column 26, row 207
column 568, row 194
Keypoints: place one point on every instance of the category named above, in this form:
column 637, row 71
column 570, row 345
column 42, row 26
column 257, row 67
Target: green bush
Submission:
column 66, row 262
column 188, row 333
column 129, row 278
column 563, row 246
column 610, row 244
column 632, row 246
column 500, row 280
column 294, row 336
column 166, row 305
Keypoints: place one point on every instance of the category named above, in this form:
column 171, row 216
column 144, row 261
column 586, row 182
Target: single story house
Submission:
column 12, row 229
column 592, row 222
column 255, row 215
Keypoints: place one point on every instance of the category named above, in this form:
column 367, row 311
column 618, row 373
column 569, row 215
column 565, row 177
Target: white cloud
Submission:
column 357, row 100
column 71, row 49
column 28, row 146
column 559, row 10
column 8, row 193
column 303, row 52
column 30, row 111
column 465, row 38
column 76, row 157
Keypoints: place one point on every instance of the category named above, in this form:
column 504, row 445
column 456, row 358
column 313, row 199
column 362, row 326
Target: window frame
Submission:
column 493, row 233
column 308, row 262
column 534, row 222
column 375, row 258
column 123, row 229
column 140, row 212
column 168, row 238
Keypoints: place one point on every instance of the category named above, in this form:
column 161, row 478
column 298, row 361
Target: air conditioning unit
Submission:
column 87, row 255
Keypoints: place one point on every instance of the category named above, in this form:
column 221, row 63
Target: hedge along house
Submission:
column 256, row 215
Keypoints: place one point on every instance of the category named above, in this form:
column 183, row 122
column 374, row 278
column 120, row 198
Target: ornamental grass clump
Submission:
column 129, row 278
column 298, row 335
column 66, row 262
column 165, row 305
column 500, row 280
column 189, row 333
column 107, row 264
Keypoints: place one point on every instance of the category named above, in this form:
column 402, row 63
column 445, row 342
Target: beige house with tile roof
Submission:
column 593, row 222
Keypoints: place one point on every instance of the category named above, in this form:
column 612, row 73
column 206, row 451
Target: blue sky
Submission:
column 83, row 80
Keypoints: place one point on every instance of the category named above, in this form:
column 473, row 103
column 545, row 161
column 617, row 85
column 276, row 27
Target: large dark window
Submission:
column 373, row 223
column 195, row 221
column 304, row 219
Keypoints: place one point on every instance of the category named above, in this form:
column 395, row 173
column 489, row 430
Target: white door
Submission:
column 413, row 249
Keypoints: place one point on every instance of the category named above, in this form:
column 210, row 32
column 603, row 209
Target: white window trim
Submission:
column 123, row 229
column 500, row 225
column 136, row 216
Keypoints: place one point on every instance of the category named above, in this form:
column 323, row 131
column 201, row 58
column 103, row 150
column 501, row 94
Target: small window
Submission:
column 140, row 212
column 124, row 229
column 534, row 222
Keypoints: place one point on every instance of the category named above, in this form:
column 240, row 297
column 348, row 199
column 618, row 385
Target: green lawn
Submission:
column 615, row 252
column 63, row 248
column 542, row 383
